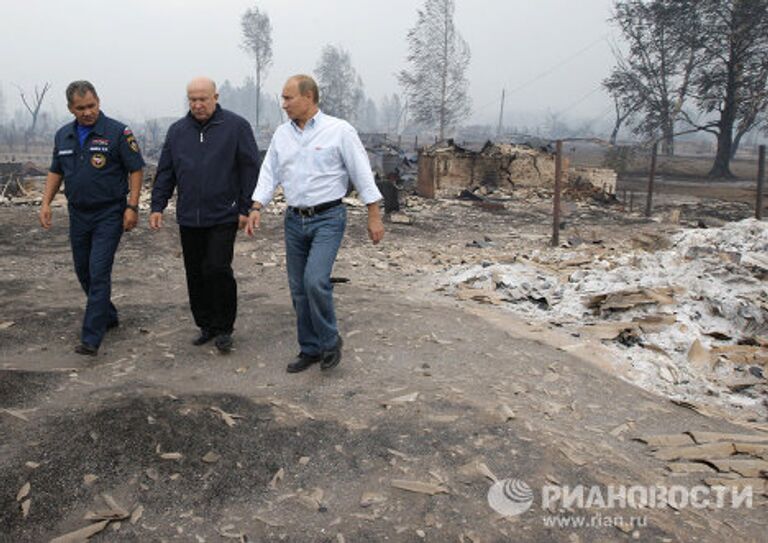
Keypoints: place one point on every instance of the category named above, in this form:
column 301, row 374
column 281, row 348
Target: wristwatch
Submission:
column 132, row 207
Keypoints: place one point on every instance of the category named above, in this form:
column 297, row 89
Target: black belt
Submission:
column 314, row 210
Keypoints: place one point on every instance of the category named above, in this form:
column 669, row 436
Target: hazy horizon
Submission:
column 550, row 55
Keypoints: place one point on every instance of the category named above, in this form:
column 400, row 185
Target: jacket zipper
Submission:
column 200, row 191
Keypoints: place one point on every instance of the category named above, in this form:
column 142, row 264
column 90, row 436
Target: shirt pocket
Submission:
column 66, row 161
column 324, row 158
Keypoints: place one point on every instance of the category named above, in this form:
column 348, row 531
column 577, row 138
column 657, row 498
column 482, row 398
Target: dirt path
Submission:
column 428, row 391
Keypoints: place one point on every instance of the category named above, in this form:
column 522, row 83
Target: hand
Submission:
column 242, row 220
column 130, row 219
column 253, row 222
column 156, row 220
column 45, row 216
column 375, row 229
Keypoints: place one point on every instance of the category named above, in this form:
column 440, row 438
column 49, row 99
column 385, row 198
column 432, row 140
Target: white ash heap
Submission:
column 692, row 317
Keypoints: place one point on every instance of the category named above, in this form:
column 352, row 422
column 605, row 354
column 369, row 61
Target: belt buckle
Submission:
column 305, row 211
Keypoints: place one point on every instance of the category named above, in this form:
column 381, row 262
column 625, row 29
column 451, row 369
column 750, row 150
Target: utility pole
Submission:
column 556, row 195
column 501, row 115
column 651, row 178
column 760, row 183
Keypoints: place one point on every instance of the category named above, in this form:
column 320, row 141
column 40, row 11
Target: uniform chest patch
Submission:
column 98, row 160
column 100, row 142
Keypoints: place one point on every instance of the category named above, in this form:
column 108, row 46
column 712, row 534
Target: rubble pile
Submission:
column 446, row 168
column 733, row 461
column 689, row 313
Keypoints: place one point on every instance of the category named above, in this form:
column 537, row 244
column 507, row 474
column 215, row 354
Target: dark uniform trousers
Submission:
column 94, row 235
column 211, row 282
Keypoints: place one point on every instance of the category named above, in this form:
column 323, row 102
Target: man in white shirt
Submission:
column 314, row 157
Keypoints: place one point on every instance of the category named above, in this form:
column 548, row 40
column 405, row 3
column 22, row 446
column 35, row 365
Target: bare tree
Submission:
column 257, row 42
column 2, row 106
column 152, row 128
column 624, row 110
column 10, row 135
column 731, row 82
column 341, row 89
column 653, row 78
column 368, row 115
column 435, row 84
column 33, row 105
column 391, row 109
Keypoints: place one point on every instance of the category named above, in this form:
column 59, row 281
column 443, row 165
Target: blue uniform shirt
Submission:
column 96, row 173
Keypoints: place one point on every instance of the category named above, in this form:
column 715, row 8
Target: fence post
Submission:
column 760, row 182
column 556, row 198
column 651, row 177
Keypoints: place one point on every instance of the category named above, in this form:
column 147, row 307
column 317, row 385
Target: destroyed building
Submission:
column 446, row 169
column 18, row 179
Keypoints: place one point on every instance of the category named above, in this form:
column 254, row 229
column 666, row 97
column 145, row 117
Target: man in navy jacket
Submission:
column 210, row 157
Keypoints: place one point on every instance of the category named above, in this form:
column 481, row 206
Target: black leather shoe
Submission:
column 302, row 362
column 333, row 357
column 86, row 349
column 206, row 335
column 224, row 343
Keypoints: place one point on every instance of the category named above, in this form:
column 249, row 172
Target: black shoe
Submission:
column 224, row 343
column 302, row 362
column 86, row 349
column 206, row 335
column 333, row 357
column 114, row 324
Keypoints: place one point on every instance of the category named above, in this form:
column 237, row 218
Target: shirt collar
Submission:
column 311, row 123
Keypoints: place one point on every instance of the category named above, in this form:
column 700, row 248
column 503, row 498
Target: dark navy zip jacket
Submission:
column 214, row 167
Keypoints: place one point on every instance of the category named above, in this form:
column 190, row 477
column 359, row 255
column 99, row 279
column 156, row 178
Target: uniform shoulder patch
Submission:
column 131, row 140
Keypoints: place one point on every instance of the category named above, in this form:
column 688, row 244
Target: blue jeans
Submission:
column 311, row 245
column 94, row 236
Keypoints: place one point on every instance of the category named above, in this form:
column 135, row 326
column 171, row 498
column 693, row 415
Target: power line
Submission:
column 550, row 70
column 568, row 108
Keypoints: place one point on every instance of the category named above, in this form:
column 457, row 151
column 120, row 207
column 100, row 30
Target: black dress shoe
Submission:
column 86, row 349
column 224, row 343
column 206, row 335
column 302, row 362
column 333, row 357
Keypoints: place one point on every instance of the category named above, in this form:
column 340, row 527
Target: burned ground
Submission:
column 430, row 388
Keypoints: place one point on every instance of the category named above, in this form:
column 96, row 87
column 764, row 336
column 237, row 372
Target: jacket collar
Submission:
column 214, row 118
column 98, row 129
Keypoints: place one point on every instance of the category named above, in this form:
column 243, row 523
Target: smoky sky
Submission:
column 549, row 55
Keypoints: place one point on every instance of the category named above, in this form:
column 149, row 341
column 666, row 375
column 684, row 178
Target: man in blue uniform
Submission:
column 99, row 161
column 210, row 157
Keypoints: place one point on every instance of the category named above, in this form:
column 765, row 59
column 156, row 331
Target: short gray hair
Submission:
column 80, row 88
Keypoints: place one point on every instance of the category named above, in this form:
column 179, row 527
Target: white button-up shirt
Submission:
column 316, row 164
